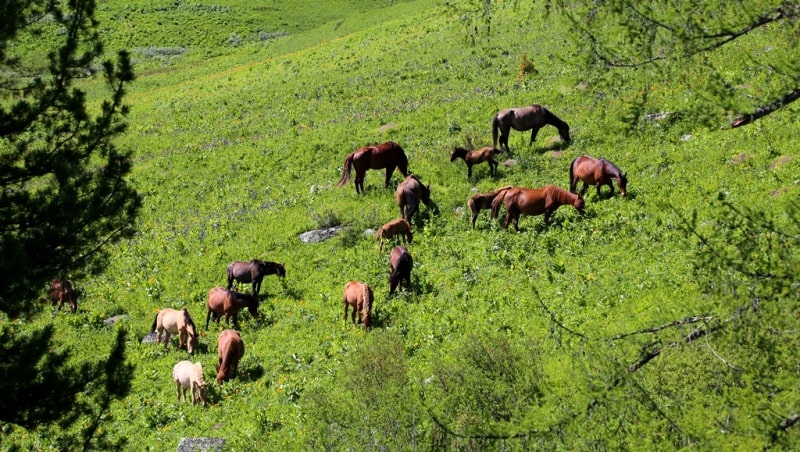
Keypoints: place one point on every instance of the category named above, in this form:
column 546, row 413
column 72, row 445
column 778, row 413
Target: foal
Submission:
column 399, row 226
column 481, row 201
column 475, row 157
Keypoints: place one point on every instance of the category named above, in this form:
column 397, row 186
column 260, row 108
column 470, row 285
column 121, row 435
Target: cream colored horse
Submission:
column 190, row 376
column 171, row 321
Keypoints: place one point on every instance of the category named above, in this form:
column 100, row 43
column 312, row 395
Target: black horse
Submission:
column 253, row 272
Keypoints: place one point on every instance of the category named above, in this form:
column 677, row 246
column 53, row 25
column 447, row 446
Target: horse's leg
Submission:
column 389, row 171
column 166, row 338
column 360, row 180
column 492, row 167
column 534, row 132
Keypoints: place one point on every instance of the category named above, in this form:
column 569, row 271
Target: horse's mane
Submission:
column 366, row 298
column 187, row 319
column 197, row 368
column 552, row 119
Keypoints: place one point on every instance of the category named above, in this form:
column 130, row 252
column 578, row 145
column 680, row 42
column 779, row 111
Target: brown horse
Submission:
column 475, row 157
column 521, row 119
column 172, row 321
column 500, row 199
column 253, row 272
column 480, row 201
column 597, row 172
column 230, row 349
column 393, row 228
column 229, row 303
column 400, row 265
column 409, row 193
column 388, row 155
column 359, row 296
column 60, row 291
column 538, row 201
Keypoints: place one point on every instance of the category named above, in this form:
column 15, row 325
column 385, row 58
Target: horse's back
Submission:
column 230, row 344
column 217, row 297
column 400, row 257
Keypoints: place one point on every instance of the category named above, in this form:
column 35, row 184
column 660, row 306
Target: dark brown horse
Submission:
column 230, row 348
column 538, row 201
column 521, row 119
column 61, row 291
column 597, row 172
column 253, row 272
column 388, row 155
column 475, row 157
column 359, row 296
column 229, row 303
column 409, row 193
column 480, row 201
column 400, row 265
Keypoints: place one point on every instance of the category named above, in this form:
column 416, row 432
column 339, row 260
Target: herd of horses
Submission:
column 227, row 302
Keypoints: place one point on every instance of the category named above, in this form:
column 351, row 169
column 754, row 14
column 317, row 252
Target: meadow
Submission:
column 241, row 119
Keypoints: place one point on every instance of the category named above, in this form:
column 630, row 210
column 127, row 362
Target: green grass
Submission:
column 238, row 149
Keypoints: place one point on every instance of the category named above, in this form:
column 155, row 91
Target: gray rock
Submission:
column 319, row 235
column 150, row 338
column 117, row 318
column 201, row 444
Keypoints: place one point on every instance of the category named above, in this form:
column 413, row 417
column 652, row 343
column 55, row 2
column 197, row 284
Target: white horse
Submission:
column 188, row 375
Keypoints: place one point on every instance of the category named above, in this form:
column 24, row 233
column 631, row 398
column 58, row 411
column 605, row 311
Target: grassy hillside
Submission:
column 241, row 119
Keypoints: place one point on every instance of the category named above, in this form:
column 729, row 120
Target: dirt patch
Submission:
column 784, row 160
column 741, row 158
column 387, row 127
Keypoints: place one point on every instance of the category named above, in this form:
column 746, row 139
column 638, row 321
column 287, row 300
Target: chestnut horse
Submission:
column 393, row 228
column 480, row 201
column 521, row 119
column 475, row 157
column 172, row 321
column 359, row 296
column 190, row 376
column 538, row 201
column 229, row 303
column 230, row 349
column 400, row 264
column 388, row 155
column 60, row 291
column 597, row 172
column 409, row 193
column 253, row 272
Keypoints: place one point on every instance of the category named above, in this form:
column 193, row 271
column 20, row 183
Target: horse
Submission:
column 597, row 172
column 500, row 199
column 388, row 155
column 531, row 118
column 253, row 272
column 480, row 201
column 400, row 265
column 538, row 201
column 230, row 349
column 172, row 321
column 475, row 157
column 409, row 193
column 359, row 296
column 400, row 226
column 60, row 291
column 229, row 302
column 190, row 376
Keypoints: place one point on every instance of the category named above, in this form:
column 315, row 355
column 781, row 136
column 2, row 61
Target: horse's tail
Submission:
column 412, row 203
column 495, row 126
column 348, row 162
column 572, row 182
column 155, row 321
column 497, row 202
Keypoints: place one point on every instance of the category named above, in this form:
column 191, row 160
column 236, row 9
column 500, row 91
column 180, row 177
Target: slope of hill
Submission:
column 569, row 335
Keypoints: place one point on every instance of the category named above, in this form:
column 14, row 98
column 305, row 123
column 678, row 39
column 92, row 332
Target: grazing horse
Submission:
column 359, row 296
column 400, row 226
column 400, row 264
column 409, row 193
column 229, row 302
column 388, row 155
column 500, row 199
column 521, row 119
column 480, row 201
column 60, row 291
column 471, row 158
column 597, row 172
column 253, row 272
column 538, row 201
column 190, row 376
column 230, row 349
column 172, row 321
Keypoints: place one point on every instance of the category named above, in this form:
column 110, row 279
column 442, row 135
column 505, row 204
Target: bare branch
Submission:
column 767, row 109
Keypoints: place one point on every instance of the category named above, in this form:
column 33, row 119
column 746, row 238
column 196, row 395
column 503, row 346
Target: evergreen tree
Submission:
column 63, row 197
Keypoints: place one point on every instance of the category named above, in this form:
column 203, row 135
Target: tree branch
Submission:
column 767, row 109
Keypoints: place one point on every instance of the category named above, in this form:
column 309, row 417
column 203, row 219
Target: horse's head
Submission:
column 563, row 131
column 456, row 153
column 579, row 203
column 280, row 270
column 622, row 182
column 192, row 343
